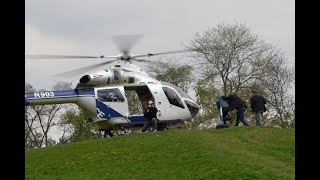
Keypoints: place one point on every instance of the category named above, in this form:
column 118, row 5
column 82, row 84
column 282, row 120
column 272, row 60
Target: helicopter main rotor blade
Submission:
column 59, row 56
column 140, row 60
column 154, row 54
column 83, row 69
column 33, row 56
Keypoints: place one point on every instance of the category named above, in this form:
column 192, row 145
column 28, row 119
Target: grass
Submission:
column 229, row 153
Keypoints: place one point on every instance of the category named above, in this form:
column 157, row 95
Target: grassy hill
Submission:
column 229, row 153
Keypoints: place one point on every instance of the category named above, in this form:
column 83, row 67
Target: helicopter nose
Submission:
column 193, row 107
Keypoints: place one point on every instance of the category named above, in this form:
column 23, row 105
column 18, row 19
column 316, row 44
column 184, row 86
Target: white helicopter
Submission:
column 106, row 95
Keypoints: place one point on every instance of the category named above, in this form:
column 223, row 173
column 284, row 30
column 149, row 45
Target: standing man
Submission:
column 257, row 103
column 235, row 102
column 150, row 115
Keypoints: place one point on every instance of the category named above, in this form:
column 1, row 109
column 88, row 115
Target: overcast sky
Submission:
column 86, row 27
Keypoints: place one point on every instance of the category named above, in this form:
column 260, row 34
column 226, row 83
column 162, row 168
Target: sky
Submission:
column 86, row 27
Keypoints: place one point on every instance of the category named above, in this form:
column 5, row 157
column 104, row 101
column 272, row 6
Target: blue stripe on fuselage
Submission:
column 105, row 111
column 88, row 91
column 136, row 118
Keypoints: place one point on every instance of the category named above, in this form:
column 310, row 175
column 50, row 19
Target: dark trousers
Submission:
column 240, row 116
column 148, row 123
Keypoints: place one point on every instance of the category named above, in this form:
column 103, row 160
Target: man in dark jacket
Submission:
column 257, row 103
column 235, row 102
column 150, row 115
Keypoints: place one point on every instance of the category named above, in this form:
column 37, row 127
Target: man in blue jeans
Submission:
column 235, row 102
column 257, row 103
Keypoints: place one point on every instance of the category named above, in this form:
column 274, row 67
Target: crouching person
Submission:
column 150, row 115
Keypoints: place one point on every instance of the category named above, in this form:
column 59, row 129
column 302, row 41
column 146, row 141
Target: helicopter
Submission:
column 106, row 95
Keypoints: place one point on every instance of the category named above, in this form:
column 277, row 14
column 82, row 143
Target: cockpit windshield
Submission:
column 173, row 97
column 179, row 90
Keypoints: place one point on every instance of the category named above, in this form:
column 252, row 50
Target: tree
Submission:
column 206, row 94
column 77, row 128
column 235, row 60
column 40, row 120
column 61, row 85
column 277, row 85
column 172, row 71
column 231, row 56
column 31, row 138
column 134, row 103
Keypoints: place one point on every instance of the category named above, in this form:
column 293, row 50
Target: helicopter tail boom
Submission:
column 55, row 97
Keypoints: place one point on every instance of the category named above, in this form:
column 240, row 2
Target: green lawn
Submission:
column 229, row 153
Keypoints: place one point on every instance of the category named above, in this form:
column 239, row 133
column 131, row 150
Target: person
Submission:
column 235, row 102
column 150, row 115
column 257, row 103
column 225, row 109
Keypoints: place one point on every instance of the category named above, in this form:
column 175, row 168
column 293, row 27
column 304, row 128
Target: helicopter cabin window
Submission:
column 110, row 95
column 173, row 97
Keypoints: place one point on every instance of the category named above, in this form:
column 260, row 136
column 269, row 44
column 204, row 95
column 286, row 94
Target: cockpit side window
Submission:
column 173, row 97
column 110, row 95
